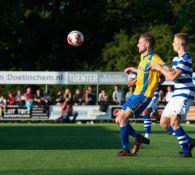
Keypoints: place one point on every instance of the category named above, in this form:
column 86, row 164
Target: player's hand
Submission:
column 121, row 118
column 131, row 83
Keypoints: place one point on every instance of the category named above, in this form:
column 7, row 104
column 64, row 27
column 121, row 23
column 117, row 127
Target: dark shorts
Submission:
column 137, row 103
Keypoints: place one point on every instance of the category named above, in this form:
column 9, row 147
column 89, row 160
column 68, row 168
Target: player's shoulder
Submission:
column 175, row 58
column 155, row 55
column 156, row 58
column 186, row 56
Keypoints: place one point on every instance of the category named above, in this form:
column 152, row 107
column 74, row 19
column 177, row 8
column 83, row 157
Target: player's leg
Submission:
column 165, row 120
column 126, row 129
column 185, row 105
column 175, row 109
column 122, row 120
column 139, row 139
column 153, row 105
column 131, row 130
column 165, row 123
column 147, row 122
column 181, row 136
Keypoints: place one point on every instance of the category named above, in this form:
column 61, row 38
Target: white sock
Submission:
column 147, row 135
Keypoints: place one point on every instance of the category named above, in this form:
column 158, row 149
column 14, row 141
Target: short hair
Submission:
column 149, row 38
column 184, row 37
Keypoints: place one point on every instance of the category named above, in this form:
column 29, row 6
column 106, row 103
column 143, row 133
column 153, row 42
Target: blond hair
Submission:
column 183, row 37
column 149, row 38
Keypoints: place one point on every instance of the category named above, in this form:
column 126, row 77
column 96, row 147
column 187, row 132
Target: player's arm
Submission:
column 132, row 78
column 132, row 83
column 130, row 69
column 162, row 77
column 171, row 75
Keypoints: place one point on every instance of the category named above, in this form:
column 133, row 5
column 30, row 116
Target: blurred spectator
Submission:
column 68, row 94
column 117, row 96
column 103, row 96
column 77, row 97
column 46, row 102
column 103, row 101
column 28, row 97
column 59, row 98
column 169, row 94
column 2, row 104
column 67, row 112
column 38, row 98
column 11, row 99
column 89, row 96
column 161, row 97
column 46, row 99
column 19, row 98
column 129, row 92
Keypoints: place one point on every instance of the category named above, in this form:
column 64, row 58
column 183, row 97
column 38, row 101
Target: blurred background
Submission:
column 33, row 32
column 33, row 37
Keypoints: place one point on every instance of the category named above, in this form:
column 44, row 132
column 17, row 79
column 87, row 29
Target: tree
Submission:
column 122, row 51
column 119, row 53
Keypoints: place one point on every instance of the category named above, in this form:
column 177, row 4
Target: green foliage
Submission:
column 164, row 36
column 117, row 54
column 33, row 33
column 122, row 51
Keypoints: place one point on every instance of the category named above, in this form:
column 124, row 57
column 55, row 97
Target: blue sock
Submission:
column 147, row 125
column 170, row 130
column 124, row 134
column 132, row 132
column 182, row 139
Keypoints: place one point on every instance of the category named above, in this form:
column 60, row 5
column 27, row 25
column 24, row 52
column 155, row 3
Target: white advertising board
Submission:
column 70, row 78
column 44, row 77
column 84, row 113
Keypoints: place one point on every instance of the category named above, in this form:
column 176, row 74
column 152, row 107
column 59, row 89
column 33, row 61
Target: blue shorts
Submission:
column 137, row 103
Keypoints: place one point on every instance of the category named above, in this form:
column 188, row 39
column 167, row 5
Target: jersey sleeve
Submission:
column 158, row 60
column 184, row 64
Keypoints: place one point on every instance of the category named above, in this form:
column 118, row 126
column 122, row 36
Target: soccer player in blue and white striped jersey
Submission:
column 152, row 107
column 183, row 96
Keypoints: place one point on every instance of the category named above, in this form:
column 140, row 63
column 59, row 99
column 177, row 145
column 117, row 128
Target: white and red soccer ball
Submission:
column 75, row 38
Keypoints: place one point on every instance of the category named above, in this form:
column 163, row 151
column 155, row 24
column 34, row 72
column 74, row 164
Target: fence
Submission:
column 65, row 78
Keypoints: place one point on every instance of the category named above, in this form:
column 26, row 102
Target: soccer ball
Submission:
column 75, row 38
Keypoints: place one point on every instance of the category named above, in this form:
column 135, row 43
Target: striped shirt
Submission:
column 183, row 84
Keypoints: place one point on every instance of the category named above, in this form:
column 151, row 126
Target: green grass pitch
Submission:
column 57, row 149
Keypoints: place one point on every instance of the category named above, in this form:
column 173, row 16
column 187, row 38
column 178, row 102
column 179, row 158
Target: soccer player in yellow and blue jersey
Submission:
column 146, row 82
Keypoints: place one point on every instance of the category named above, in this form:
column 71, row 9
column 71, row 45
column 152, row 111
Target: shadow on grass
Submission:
column 95, row 172
column 57, row 137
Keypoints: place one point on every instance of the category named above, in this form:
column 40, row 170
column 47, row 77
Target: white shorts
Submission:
column 177, row 106
column 153, row 104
